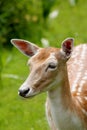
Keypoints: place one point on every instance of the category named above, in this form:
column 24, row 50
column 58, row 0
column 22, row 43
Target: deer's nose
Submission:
column 24, row 92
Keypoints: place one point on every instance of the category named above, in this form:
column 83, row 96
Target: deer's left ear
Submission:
column 27, row 48
column 67, row 47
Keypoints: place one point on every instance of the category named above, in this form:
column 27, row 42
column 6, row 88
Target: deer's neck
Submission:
column 61, row 105
column 61, row 92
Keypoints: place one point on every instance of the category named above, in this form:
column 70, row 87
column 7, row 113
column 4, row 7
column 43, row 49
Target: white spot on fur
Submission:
column 80, row 99
column 85, row 97
column 78, row 94
column 81, row 67
column 74, row 87
column 84, row 111
column 81, row 86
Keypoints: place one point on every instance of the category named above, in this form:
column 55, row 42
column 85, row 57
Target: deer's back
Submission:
column 77, row 71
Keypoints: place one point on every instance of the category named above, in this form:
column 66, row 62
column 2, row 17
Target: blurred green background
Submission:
column 46, row 23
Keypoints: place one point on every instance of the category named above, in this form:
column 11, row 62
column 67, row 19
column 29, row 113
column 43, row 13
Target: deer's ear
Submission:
column 67, row 47
column 25, row 47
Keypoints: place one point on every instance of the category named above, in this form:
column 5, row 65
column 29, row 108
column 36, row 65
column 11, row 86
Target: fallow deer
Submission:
column 62, row 72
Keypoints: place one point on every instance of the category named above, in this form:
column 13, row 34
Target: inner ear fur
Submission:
column 25, row 47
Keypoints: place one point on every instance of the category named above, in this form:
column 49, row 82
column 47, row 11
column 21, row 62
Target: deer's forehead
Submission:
column 44, row 54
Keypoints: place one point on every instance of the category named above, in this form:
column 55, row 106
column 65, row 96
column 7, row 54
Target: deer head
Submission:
column 46, row 64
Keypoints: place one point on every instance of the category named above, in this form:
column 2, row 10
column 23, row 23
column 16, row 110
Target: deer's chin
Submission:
column 27, row 97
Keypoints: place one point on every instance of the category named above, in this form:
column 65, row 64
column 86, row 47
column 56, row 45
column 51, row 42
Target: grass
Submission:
column 71, row 22
column 19, row 114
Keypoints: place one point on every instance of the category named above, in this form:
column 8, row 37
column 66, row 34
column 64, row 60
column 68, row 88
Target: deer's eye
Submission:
column 52, row 66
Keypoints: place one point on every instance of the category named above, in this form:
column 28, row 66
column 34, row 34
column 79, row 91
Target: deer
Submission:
column 62, row 73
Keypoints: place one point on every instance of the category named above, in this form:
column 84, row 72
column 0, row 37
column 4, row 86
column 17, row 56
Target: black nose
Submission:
column 23, row 92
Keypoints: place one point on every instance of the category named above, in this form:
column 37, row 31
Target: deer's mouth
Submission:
column 26, row 97
column 27, row 93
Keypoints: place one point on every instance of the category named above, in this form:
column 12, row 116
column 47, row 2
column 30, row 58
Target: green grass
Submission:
column 19, row 114
column 71, row 22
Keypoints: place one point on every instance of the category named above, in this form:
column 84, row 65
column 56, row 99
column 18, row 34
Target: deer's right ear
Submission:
column 25, row 47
